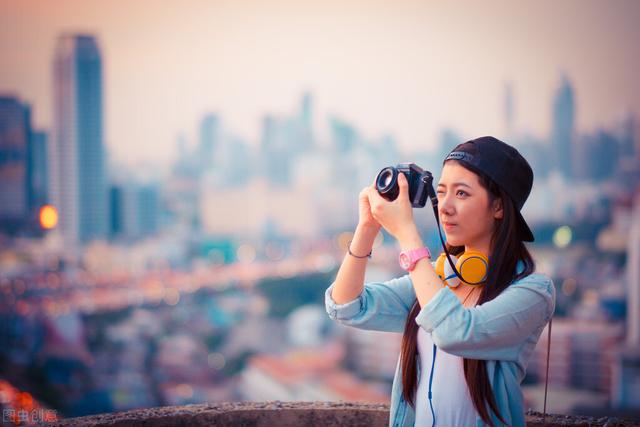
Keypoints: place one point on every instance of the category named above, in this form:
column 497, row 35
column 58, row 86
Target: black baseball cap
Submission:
column 505, row 166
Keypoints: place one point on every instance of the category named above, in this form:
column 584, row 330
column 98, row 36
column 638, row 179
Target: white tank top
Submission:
column 451, row 400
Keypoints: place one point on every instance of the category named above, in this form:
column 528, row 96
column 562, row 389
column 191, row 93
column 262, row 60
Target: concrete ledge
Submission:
column 290, row 414
column 534, row 419
column 269, row 414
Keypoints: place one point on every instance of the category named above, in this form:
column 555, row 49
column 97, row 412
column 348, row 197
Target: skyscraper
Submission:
column 633, row 278
column 39, row 169
column 563, row 128
column 15, row 136
column 209, row 141
column 78, row 180
column 276, row 154
column 304, row 124
column 509, row 109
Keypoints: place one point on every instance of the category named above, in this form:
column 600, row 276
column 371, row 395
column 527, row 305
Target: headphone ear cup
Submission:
column 473, row 267
column 439, row 267
column 445, row 272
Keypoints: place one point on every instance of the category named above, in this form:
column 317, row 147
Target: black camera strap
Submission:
column 434, row 204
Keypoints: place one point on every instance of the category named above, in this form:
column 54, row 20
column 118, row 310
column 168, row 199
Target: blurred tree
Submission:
column 287, row 294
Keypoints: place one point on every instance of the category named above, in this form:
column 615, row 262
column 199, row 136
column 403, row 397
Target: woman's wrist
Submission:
column 367, row 230
column 363, row 238
column 409, row 238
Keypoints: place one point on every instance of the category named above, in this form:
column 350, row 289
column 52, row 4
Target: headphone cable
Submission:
column 433, row 362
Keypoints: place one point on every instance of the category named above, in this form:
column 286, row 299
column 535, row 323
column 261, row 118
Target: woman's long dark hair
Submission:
column 507, row 250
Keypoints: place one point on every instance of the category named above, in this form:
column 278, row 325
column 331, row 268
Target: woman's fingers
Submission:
column 404, row 187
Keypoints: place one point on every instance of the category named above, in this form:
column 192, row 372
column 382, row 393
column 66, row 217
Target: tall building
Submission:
column 599, row 156
column 116, row 220
column 39, row 169
column 304, row 137
column 562, row 132
column 134, row 210
column 78, row 176
column 275, row 153
column 15, row 141
column 209, row 141
column 148, row 200
column 345, row 137
column 306, row 109
column 536, row 153
column 626, row 131
column 509, row 110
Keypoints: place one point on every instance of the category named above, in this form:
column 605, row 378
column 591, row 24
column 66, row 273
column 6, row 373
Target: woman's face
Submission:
column 466, row 214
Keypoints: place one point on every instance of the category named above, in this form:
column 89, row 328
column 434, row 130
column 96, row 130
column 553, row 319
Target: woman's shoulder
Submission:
column 539, row 283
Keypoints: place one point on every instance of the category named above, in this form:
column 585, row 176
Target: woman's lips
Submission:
column 448, row 226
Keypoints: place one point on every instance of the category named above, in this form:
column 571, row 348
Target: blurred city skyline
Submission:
column 202, row 277
column 409, row 70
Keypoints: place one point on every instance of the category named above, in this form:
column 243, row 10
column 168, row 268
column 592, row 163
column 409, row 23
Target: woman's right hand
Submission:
column 366, row 219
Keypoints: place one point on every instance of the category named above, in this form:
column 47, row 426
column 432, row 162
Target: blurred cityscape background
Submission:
column 188, row 263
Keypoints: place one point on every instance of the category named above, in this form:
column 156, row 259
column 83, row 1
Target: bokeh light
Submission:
column 48, row 217
column 562, row 236
column 216, row 361
column 171, row 296
column 569, row 286
column 246, row 253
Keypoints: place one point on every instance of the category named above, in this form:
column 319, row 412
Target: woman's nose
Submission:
column 446, row 206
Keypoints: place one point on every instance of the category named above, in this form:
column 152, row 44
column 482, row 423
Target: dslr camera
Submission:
column 420, row 183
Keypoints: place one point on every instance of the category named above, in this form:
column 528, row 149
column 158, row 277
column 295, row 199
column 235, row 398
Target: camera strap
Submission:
column 434, row 204
column 546, row 378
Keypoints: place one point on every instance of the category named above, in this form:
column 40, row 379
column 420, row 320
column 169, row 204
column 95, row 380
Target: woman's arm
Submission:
column 495, row 330
column 426, row 281
column 350, row 279
column 382, row 306
column 376, row 306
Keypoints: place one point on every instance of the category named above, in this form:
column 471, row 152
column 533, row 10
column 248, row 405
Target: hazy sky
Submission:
column 402, row 67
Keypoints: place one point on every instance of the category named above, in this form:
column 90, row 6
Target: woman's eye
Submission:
column 464, row 193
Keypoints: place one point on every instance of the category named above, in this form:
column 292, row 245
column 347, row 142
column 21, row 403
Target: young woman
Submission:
column 465, row 349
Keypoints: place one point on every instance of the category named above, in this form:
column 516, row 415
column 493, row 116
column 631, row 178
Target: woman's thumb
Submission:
column 403, row 185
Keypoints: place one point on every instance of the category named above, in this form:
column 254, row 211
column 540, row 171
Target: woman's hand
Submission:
column 397, row 216
column 366, row 219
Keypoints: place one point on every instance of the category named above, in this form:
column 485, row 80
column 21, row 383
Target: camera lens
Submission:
column 387, row 183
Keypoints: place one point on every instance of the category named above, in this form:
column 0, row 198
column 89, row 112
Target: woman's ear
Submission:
column 498, row 212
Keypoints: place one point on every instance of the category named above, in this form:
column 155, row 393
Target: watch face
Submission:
column 405, row 262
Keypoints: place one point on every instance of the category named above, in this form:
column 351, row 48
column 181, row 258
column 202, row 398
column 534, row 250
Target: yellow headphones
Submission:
column 473, row 267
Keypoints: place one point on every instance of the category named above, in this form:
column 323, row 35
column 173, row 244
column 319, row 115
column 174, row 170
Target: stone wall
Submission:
column 289, row 414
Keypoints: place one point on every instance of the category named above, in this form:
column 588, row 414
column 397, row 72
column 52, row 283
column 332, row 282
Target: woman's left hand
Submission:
column 396, row 217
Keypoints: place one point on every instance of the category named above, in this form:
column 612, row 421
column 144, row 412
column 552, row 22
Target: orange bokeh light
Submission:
column 48, row 217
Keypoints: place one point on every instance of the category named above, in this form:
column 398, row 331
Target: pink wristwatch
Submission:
column 408, row 259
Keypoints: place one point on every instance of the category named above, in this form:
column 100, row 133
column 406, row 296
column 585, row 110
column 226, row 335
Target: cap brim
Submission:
column 525, row 232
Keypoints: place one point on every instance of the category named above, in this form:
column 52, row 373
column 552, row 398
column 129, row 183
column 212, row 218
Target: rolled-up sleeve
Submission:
column 342, row 311
column 381, row 306
column 494, row 330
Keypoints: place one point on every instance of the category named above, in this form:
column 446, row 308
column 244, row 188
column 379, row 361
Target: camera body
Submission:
column 420, row 183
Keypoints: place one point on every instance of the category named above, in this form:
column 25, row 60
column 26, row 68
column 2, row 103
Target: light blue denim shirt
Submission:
column 503, row 331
